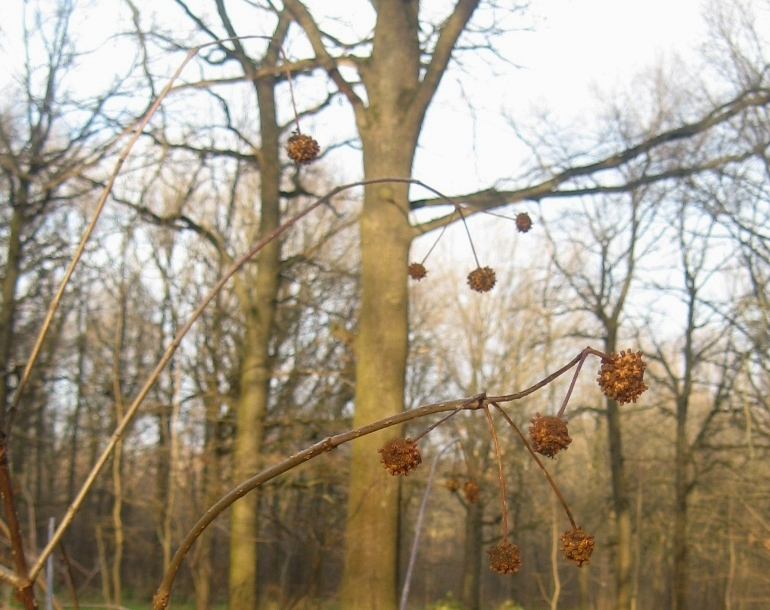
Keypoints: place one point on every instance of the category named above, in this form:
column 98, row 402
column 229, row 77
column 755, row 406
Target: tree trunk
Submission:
column 389, row 123
column 389, row 136
column 471, row 587
column 681, row 484
column 82, row 325
column 204, row 563
column 254, row 380
column 381, row 348
column 621, row 504
column 10, row 281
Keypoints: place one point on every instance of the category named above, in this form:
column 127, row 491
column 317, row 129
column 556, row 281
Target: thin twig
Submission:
column 418, row 525
column 539, row 463
column 583, row 355
column 291, row 89
column 435, row 243
column 468, row 231
column 480, row 398
column 540, row 384
column 500, row 473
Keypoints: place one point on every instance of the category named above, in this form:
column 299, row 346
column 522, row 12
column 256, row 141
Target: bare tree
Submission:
column 48, row 167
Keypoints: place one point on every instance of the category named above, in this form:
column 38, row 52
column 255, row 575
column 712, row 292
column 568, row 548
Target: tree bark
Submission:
column 381, row 347
column 681, row 486
column 11, row 272
column 389, row 138
column 389, row 123
column 471, row 584
column 255, row 370
column 204, row 561
column 621, row 504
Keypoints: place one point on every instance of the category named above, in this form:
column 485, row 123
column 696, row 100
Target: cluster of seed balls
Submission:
column 621, row 378
column 470, row 488
column 481, row 279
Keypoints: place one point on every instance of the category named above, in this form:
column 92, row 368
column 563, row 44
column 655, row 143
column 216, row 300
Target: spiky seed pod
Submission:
column 523, row 222
column 504, row 557
column 400, row 455
column 578, row 546
column 621, row 377
column 417, row 271
column 482, row 279
column 471, row 491
column 452, row 484
column 302, row 149
column 549, row 435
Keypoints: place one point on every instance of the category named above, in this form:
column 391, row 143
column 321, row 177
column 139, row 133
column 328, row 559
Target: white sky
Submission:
column 580, row 42
column 575, row 48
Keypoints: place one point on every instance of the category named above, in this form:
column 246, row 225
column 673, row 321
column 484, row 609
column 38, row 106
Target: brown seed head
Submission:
column 471, row 491
column 417, row 271
column 578, row 546
column 523, row 222
column 504, row 557
column 452, row 483
column 302, row 149
column 549, row 435
column 621, row 377
column 400, row 455
column 482, row 279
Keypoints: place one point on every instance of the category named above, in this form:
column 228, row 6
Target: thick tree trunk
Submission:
column 254, row 381
column 389, row 137
column 389, row 123
column 252, row 401
column 381, row 347
column 621, row 505
column 389, row 134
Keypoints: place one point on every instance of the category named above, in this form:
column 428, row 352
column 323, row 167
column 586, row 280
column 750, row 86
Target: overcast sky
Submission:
column 577, row 49
column 574, row 48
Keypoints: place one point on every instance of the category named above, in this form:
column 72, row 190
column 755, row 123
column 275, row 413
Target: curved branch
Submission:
column 480, row 401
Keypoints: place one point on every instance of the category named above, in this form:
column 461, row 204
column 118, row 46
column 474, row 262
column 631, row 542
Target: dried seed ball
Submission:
column 471, row 491
column 504, row 557
column 621, row 377
column 452, row 484
column 523, row 222
column 549, row 435
column 578, row 546
column 400, row 455
column 417, row 271
column 302, row 149
column 482, row 279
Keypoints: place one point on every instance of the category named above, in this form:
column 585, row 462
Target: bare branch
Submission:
column 451, row 31
column 308, row 24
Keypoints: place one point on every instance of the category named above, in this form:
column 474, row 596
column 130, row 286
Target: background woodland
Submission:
column 650, row 232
